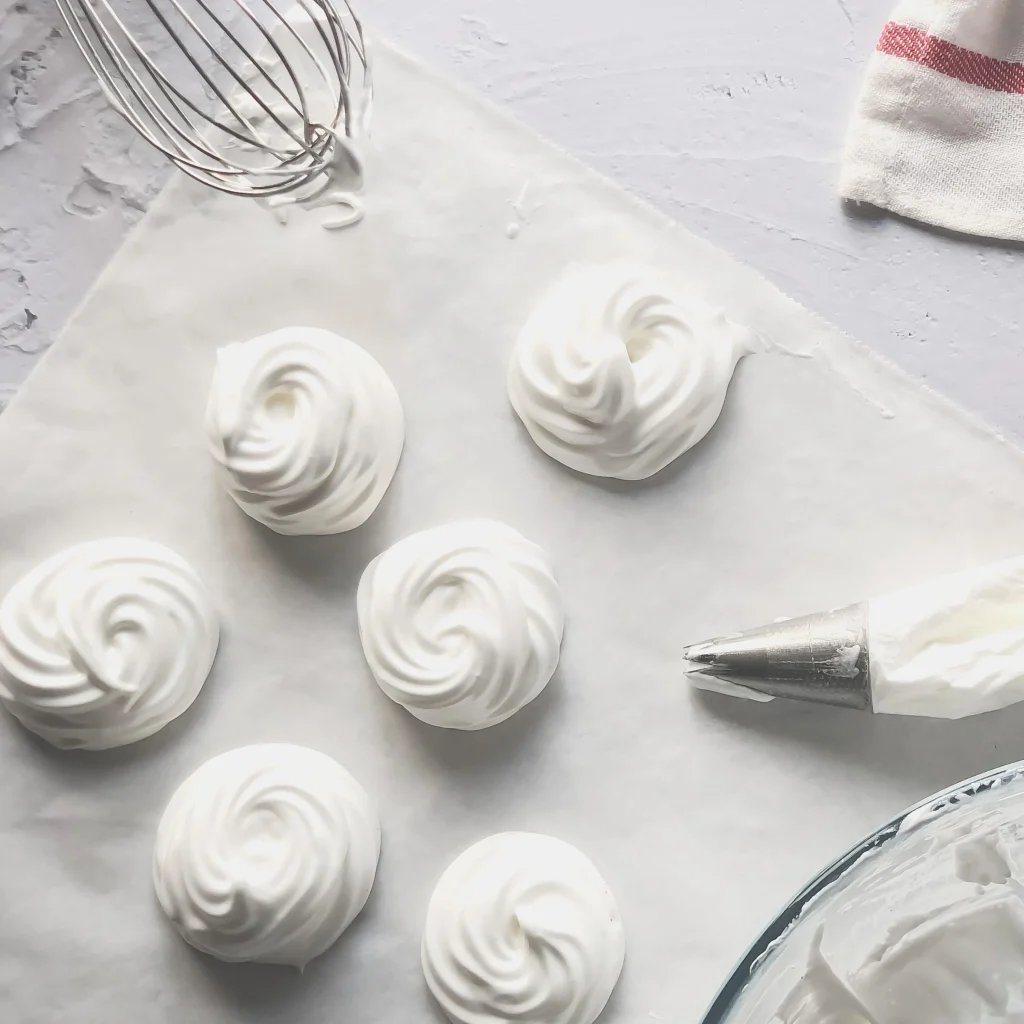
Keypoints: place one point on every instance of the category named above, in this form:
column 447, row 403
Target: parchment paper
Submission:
column 827, row 479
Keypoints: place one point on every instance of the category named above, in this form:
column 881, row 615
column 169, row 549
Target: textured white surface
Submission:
column 728, row 115
column 826, row 478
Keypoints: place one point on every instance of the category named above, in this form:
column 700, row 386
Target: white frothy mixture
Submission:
column 939, row 941
column 952, row 646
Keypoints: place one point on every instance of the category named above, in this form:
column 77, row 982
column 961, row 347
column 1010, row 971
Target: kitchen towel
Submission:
column 938, row 131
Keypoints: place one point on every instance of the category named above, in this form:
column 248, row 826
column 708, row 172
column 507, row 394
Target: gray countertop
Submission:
column 729, row 115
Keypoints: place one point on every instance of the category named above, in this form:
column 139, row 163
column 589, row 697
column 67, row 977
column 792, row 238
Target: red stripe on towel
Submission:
column 951, row 60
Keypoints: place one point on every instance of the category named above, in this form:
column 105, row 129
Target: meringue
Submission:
column 266, row 853
column 951, row 646
column 307, row 428
column 932, row 932
column 618, row 371
column 105, row 643
column 461, row 624
column 522, row 928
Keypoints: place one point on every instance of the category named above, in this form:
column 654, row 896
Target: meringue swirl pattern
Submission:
column 522, row 928
column 617, row 372
column 461, row 624
column 105, row 643
column 307, row 429
column 266, row 853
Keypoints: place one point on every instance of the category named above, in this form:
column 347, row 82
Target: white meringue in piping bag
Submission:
column 618, row 371
column 105, row 643
column 522, row 927
column 461, row 624
column 307, row 429
column 266, row 853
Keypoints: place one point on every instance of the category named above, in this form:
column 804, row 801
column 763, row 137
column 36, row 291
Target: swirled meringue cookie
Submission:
column 266, row 853
column 617, row 372
column 522, row 928
column 307, row 428
column 105, row 643
column 461, row 624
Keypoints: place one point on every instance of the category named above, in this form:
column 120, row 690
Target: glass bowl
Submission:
column 777, row 960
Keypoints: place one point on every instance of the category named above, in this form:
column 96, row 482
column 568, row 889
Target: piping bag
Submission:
column 949, row 647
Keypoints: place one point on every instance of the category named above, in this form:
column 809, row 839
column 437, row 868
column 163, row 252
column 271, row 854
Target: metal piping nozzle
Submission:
column 822, row 658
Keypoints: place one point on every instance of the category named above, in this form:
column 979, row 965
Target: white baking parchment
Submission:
column 828, row 478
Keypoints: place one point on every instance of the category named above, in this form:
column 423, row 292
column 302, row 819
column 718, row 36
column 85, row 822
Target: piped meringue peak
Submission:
column 522, row 928
column 105, row 643
column 307, row 429
column 618, row 371
column 266, row 853
column 461, row 624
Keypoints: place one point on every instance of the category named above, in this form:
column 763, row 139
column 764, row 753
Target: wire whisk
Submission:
column 238, row 94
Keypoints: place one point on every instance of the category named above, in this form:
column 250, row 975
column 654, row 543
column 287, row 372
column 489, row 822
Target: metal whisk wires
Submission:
column 237, row 93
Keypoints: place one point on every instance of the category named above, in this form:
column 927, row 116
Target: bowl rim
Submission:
column 944, row 800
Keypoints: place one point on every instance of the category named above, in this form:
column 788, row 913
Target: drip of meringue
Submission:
column 307, row 428
column 522, row 928
column 266, row 853
column 617, row 372
column 105, row 643
column 461, row 624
